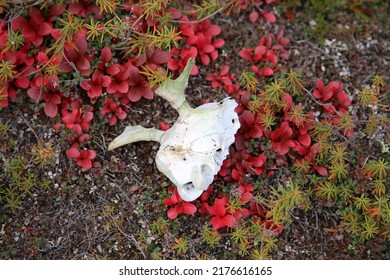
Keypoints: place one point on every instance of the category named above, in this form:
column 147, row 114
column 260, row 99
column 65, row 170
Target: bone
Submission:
column 135, row 134
column 192, row 151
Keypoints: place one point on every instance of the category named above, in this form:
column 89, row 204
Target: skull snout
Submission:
column 202, row 176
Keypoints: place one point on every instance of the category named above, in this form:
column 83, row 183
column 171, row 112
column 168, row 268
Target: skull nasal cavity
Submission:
column 188, row 186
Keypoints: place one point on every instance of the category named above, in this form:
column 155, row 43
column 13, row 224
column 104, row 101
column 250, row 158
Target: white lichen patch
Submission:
column 335, row 52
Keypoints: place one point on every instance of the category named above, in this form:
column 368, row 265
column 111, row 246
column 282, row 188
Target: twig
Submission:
column 254, row 199
column 132, row 238
column 33, row 131
column 199, row 20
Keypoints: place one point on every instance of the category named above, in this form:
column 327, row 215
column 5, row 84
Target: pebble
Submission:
column 99, row 248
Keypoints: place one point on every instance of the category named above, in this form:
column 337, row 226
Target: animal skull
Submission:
column 193, row 149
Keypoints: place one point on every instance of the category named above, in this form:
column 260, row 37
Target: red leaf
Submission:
column 106, row 55
column 160, row 57
column 285, row 130
column 75, row 8
column 269, row 17
column 57, row 126
column 56, row 10
column 259, row 52
column 22, row 82
column 343, row 99
column 28, row 32
column 96, row 91
column 188, row 208
column 224, row 70
column 317, row 93
column 257, row 209
column 186, row 29
column 51, row 110
column 168, row 202
column 253, row 16
column 122, row 87
column 42, row 58
column 255, row 69
column 83, row 138
column 44, row 29
column 164, row 126
column 77, row 129
column 235, row 175
column 83, row 63
column 216, row 209
column 172, row 213
column 147, row 93
column 279, row 148
column 214, row 30
column 267, row 72
column 316, row 148
column 219, row 207
column 304, row 139
column 68, row 119
column 255, row 132
column 36, row 93
column 278, row 229
column 88, row 116
column 18, row 23
column 300, row 149
column 91, row 154
column 229, row 220
column 334, row 86
column 72, row 153
column 217, row 222
column 246, row 54
column 134, row 94
column 290, row 143
column 327, row 94
column 205, row 59
column 175, row 14
column 86, row 84
column 321, row 170
column 288, row 99
column 247, row 119
column 55, row 98
column 81, row 45
column 258, row 161
column 86, row 163
column 112, row 120
column 106, row 80
column 113, row 69
column 320, row 85
column 194, row 70
column 246, row 197
column 218, row 43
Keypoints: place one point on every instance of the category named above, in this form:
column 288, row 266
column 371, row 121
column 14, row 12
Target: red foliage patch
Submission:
column 82, row 158
column 178, row 206
column 221, row 217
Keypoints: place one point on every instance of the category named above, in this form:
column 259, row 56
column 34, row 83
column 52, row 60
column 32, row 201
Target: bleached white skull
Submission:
column 193, row 149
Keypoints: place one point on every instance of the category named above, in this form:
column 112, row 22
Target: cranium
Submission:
column 193, row 149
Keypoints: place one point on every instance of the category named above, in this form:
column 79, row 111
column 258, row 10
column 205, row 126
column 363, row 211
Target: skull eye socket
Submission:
column 188, row 186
